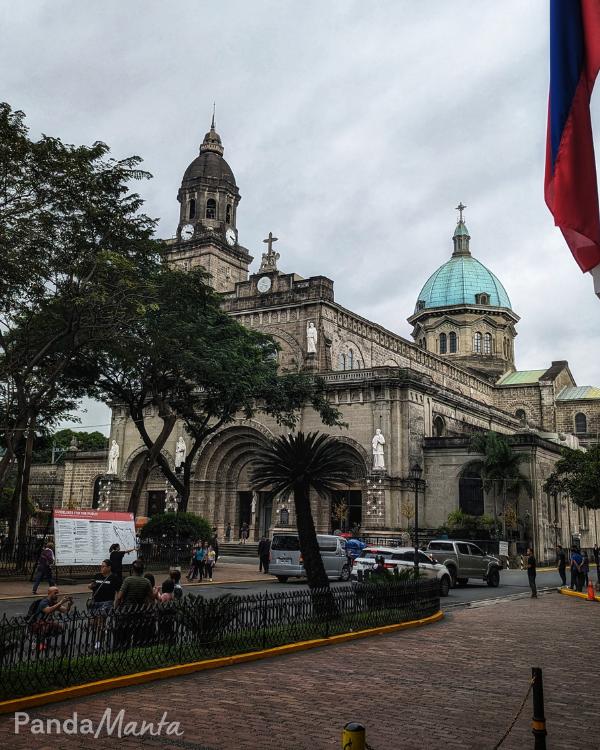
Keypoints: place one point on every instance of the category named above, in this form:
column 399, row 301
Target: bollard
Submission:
column 538, row 724
column 354, row 736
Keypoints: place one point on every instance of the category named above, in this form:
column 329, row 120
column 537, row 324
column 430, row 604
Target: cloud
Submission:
column 353, row 130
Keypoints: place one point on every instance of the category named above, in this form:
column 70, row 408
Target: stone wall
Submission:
column 81, row 472
column 46, row 485
column 565, row 418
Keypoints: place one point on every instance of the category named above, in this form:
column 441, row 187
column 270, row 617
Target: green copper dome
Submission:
column 461, row 279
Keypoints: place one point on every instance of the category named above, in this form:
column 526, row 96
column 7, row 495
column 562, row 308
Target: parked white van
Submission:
column 286, row 558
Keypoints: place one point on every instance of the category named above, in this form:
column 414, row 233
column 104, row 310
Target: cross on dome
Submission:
column 460, row 208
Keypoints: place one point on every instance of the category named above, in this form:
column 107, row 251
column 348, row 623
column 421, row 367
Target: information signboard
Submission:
column 83, row 537
column 503, row 549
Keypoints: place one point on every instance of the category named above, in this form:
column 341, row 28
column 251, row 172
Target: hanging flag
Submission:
column 570, row 185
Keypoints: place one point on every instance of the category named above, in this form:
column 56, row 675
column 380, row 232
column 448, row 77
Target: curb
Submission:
column 185, row 585
column 139, row 678
column 578, row 594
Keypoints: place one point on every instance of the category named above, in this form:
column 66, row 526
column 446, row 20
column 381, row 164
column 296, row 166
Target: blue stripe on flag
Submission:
column 566, row 63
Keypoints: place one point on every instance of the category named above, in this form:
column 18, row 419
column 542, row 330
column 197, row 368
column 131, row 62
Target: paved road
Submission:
column 455, row 685
column 511, row 582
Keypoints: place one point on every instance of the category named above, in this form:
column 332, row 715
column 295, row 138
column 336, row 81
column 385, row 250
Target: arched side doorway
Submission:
column 470, row 494
column 346, row 510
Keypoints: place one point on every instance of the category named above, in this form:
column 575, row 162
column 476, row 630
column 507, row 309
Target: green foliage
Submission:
column 470, row 526
column 577, row 474
column 500, row 467
column 313, row 460
column 62, row 440
column 191, row 528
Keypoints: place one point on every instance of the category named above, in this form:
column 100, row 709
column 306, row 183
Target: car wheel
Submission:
column 452, row 577
column 462, row 581
column 282, row 579
column 445, row 584
column 345, row 576
column 493, row 578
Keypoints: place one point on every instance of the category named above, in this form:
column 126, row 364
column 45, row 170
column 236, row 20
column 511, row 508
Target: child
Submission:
column 209, row 562
column 175, row 576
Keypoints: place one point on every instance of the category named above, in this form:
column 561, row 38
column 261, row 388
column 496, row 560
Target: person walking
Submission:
column 44, row 568
column 576, row 570
column 596, row 553
column 561, row 563
column 244, row 533
column 199, row 556
column 585, row 569
column 264, row 554
column 214, row 542
column 210, row 560
column 531, row 572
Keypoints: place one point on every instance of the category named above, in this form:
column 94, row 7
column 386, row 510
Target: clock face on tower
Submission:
column 264, row 284
column 187, row 232
column 230, row 237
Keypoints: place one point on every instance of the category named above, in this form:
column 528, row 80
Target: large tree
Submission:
column 499, row 469
column 190, row 361
column 577, row 474
column 73, row 243
column 295, row 465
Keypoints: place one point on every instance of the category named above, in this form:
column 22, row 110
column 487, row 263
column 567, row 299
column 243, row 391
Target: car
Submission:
column 403, row 558
column 465, row 560
column 286, row 558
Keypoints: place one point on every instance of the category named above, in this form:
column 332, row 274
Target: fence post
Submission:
column 264, row 620
column 354, row 736
column 538, row 724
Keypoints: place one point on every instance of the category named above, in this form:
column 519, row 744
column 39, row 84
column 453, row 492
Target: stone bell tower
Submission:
column 207, row 234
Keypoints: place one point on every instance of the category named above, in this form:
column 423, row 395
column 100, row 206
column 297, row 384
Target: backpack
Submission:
column 33, row 612
column 177, row 591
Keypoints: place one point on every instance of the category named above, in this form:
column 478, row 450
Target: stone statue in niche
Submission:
column 113, row 457
column 378, row 458
column 180, row 452
column 312, row 337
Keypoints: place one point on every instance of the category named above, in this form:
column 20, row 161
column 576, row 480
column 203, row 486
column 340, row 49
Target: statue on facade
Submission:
column 113, row 457
column 180, row 452
column 378, row 442
column 312, row 336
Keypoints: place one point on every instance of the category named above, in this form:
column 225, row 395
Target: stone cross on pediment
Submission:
column 270, row 258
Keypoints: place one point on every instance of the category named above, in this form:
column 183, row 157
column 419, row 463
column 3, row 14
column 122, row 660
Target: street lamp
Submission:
column 415, row 476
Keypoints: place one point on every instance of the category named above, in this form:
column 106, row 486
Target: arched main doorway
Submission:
column 223, row 490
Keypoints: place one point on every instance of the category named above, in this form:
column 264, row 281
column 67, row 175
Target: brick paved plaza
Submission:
column 454, row 685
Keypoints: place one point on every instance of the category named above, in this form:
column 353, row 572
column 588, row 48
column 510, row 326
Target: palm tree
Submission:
column 500, row 468
column 295, row 464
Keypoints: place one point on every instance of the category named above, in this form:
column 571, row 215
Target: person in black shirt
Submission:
column 531, row 572
column 561, row 561
column 116, row 555
column 104, row 589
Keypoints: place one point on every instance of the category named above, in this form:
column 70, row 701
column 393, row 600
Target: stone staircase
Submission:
column 250, row 549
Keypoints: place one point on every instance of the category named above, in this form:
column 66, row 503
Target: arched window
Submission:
column 443, row 344
column 211, row 208
column 580, row 422
column 482, row 298
column 350, row 361
column 470, row 494
column 487, row 343
column 477, row 343
column 452, row 342
column 228, row 214
column 342, row 361
column 439, row 427
column 521, row 416
column 192, row 209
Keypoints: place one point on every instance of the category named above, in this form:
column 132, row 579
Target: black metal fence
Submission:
column 80, row 647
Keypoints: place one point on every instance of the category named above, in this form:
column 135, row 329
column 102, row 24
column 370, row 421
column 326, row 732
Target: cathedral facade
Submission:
column 404, row 402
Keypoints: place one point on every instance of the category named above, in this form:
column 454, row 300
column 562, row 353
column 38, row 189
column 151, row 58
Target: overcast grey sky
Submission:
column 353, row 130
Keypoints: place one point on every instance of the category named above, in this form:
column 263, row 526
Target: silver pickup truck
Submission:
column 465, row 560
